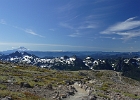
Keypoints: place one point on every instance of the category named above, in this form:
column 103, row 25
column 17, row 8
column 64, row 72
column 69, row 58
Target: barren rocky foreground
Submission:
column 32, row 83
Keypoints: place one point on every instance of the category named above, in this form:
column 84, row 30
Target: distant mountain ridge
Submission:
column 128, row 64
column 67, row 61
column 80, row 54
column 19, row 57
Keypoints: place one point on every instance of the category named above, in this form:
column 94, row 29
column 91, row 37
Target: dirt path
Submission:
column 119, row 76
column 80, row 95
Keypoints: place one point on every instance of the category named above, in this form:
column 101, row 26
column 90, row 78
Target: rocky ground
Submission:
column 32, row 83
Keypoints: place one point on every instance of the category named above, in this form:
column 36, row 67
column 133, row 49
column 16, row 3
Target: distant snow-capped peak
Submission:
column 22, row 49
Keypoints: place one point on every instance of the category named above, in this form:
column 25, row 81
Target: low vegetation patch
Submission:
column 3, row 87
column 134, row 96
column 104, row 96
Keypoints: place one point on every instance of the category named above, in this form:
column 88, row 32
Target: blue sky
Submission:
column 70, row 25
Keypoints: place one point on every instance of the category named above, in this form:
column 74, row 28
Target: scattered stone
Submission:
column 82, row 74
column 71, row 92
column 9, row 81
column 56, row 96
column 36, row 80
column 7, row 98
column 25, row 85
column 63, row 96
column 49, row 86
column 69, row 82
column 92, row 97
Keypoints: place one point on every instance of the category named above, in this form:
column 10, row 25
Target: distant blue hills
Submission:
column 80, row 54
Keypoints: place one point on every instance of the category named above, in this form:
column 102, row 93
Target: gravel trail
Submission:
column 80, row 95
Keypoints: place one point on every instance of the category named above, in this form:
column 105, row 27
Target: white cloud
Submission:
column 29, row 31
column 66, row 25
column 128, row 29
column 69, row 6
column 72, row 18
column 51, row 29
column 2, row 21
column 66, row 7
column 130, row 19
column 32, row 32
column 90, row 26
column 76, row 34
column 130, row 34
column 78, row 28
column 113, row 38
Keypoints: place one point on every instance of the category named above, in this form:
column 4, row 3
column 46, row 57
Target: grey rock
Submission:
column 7, row 98
column 24, row 84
